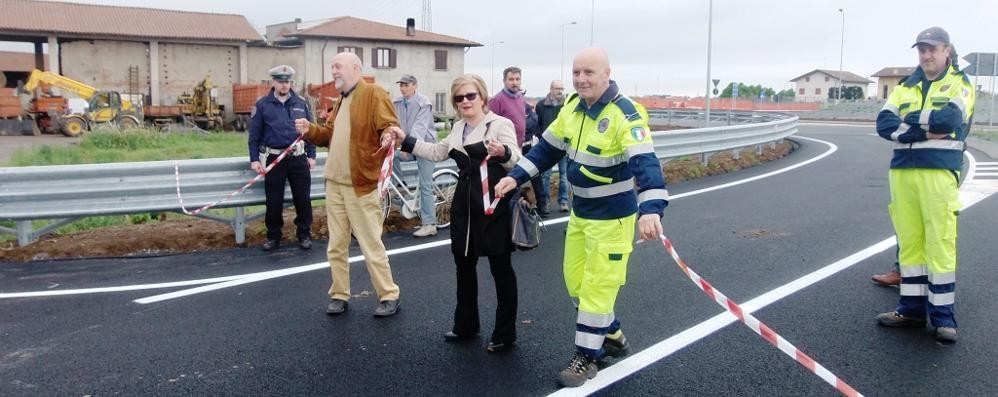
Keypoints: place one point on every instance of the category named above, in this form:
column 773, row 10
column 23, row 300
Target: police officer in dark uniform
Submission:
column 272, row 129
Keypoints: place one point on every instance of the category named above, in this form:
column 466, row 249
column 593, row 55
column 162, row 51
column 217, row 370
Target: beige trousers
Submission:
column 347, row 214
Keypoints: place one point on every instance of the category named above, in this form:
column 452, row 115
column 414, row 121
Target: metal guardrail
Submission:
column 67, row 193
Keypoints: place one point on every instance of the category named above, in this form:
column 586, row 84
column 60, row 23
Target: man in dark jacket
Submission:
column 271, row 131
column 541, row 182
column 547, row 111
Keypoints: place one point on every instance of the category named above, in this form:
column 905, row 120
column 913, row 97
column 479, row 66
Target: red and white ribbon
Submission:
column 176, row 173
column 757, row 326
column 484, row 171
column 386, row 170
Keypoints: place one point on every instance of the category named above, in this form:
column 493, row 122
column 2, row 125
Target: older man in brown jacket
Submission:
column 360, row 125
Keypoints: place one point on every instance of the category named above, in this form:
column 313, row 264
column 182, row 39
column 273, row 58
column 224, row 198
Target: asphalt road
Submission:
column 248, row 323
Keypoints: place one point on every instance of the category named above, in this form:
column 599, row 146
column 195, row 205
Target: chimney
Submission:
column 410, row 27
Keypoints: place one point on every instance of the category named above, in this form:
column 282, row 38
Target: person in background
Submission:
column 547, row 110
column 416, row 115
column 474, row 234
column 271, row 131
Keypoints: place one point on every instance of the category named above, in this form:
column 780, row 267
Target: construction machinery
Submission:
column 50, row 111
column 201, row 108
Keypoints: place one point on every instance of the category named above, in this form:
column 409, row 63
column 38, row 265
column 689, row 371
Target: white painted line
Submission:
column 990, row 163
column 231, row 281
column 971, row 192
column 987, row 174
column 857, row 125
column 137, row 287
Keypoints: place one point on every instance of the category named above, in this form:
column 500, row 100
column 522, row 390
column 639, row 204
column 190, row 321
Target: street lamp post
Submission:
column 492, row 74
column 842, row 46
column 592, row 23
column 563, row 26
column 710, row 18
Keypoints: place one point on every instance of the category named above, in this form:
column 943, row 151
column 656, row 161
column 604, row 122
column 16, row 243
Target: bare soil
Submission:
column 195, row 234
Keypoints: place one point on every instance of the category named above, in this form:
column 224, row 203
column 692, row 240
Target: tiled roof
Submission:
column 356, row 28
column 50, row 17
column 894, row 71
column 847, row 77
column 18, row 61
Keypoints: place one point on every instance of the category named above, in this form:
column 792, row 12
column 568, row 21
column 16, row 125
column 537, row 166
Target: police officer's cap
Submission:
column 282, row 73
column 932, row 36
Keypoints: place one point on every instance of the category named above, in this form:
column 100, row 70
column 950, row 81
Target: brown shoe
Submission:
column 888, row 279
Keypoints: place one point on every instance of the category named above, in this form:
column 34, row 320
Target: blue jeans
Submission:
column 562, row 180
column 427, row 210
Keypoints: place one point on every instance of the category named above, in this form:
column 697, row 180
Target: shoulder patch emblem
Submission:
column 966, row 93
column 253, row 112
column 603, row 125
column 639, row 133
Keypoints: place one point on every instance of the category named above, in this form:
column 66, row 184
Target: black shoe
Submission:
column 337, row 306
column 453, row 337
column 616, row 348
column 271, row 245
column 387, row 308
column 305, row 243
column 544, row 213
column 496, row 347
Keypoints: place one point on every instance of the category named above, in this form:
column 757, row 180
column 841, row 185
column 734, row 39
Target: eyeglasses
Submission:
column 471, row 97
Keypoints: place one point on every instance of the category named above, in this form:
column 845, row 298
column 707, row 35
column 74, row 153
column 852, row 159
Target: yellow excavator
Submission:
column 102, row 106
column 201, row 109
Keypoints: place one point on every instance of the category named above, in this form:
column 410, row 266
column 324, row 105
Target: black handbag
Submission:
column 526, row 223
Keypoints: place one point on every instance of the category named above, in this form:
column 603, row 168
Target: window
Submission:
column 817, row 91
column 807, row 78
column 441, row 101
column 440, row 60
column 356, row 50
column 800, row 91
column 383, row 58
column 885, row 91
column 826, row 78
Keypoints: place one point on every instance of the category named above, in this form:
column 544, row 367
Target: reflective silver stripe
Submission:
column 896, row 134
column 594, row 320
column 942, row 278
column 603, row 190
column 914, row 289
column 643, row 148
column 588, row 341
column 593, row 160
column 923, row 118
column 914, row 270
column 890, row 107
column 958, row 101
column 942, row 299
column 948, row 144
column 553, row 140
column 528, row 166
column 653, row 194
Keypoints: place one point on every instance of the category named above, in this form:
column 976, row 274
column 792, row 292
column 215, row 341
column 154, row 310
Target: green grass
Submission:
column 134, row 145
column 985, row 133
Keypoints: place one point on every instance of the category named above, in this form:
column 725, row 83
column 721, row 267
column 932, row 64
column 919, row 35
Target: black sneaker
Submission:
column 616, row 348
column 305, row 243
column 271, row 245
column 580, row 369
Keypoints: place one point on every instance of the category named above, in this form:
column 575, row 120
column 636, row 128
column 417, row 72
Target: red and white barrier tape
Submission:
column 176, row 173
column 764, row 331
column 483, row 169
column 386, row 170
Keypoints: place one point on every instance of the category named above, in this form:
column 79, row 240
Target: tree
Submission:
column 849, row 93
column 748, row 91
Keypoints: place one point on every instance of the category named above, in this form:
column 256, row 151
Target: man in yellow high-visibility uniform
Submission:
column 928, row 117
column 605, row 136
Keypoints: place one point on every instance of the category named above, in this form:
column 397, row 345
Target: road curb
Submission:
column 988, row 147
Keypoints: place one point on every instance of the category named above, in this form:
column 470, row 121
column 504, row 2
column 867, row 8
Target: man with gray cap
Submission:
column 415, row 115
column 928, row 117
column 272, row 130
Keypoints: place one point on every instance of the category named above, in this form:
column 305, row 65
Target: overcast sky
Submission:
column 660, row 46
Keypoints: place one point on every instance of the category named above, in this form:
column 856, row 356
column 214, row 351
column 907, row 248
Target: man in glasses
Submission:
column 271, row 131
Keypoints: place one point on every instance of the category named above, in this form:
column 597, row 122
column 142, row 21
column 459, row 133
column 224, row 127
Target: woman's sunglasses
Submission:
column 471, row 97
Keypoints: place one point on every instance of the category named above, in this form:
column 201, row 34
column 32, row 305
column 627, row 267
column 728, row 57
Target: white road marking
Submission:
column 971, row 192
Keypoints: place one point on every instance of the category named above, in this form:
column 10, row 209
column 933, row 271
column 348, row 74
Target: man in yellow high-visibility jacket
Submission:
column 605, row 136
column 928, row 117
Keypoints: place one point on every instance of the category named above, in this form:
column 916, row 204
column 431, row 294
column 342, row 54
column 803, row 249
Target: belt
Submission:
column 298, row 150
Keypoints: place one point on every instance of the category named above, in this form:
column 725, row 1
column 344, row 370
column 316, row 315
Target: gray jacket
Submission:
column 416, row 117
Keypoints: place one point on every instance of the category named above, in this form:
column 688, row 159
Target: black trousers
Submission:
column 294, row 170
column 466, row 320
